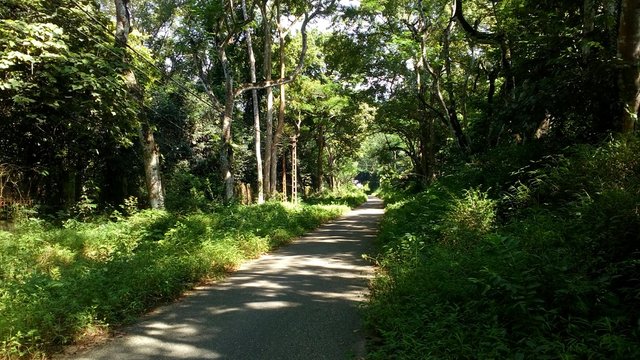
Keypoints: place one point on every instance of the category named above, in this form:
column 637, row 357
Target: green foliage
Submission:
column 348, row 195
column 552, row 274
column 58, row 284
column 469, row 218
column 187, row 192
column 62, row 99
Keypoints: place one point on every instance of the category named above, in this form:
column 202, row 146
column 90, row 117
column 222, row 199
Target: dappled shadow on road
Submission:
column 299, row 302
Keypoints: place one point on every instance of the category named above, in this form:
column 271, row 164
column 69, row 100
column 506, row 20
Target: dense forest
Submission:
column 501, row 134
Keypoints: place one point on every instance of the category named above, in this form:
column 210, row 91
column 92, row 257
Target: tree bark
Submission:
column 284, row 175
column 294, row 160
column 153, row 179
column 256, row 110
column 452, row 110
column 320, row 143
column 226, row 151
column 629, row 54
column 266, row 70
column 151, row 151
column 281, row 109
column 427, row 156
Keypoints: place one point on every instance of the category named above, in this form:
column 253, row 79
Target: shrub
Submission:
column 347, row 195
column 469, row 219
column 554, row 276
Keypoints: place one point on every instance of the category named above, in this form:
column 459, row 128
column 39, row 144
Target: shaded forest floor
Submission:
column 523, row 253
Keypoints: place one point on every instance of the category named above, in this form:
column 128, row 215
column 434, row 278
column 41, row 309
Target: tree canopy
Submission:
column 444, row 78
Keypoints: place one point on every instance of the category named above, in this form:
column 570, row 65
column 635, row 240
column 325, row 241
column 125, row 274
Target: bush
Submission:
column 544, row 265
column 469, row 219
column 347, row 195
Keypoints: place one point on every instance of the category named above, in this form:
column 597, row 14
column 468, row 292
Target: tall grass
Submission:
column 60, row 285
column 541, row 263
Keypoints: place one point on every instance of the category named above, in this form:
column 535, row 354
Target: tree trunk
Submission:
column 427, row 138
column 629, row 53
column 256, row 109
column 151, row 152
column 226, row 151
column 153, row 181
column 69, row 182
column 294, row 160
column 266, row 69
column 284, row 175
column 281, row 109
column 452, row 110
column 319, row 169
column 331, row 165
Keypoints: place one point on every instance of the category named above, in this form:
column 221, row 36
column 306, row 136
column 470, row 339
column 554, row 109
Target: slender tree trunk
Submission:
column 284, row 174
column 331, row 165
column 427, row 163
column 294, row 170
column 319, row 165
column 294, row 160
column 452, row 110
column 281, row 109
column 151, row 152
column 266, row 70
column 226, row 151
column 256, row 109
column 629, row 53
column 69, row 194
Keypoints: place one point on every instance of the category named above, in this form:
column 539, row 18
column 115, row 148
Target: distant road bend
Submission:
column 299, row 302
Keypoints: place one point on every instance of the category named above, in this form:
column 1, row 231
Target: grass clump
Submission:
column 59, row 284
column 542, row 263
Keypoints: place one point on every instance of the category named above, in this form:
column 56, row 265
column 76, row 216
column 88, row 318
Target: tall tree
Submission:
column 151, row 152
column 269, row 158
column 256, row 109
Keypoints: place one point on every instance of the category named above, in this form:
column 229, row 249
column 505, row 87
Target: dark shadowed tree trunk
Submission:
column 629, row 53
column 151, row 152
column 256, row 109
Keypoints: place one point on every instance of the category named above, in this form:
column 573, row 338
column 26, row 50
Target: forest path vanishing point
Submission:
column 298, row 302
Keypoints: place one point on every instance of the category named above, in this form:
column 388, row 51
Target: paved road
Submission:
column 300, row 302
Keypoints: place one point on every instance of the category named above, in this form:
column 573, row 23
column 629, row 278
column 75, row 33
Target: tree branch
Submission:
column 298, row 69
column 481, row 37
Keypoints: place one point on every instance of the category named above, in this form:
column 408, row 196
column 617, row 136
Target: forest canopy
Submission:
column 108, row 100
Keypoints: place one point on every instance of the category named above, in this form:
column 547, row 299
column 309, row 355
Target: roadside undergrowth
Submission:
column 62, row 285
column 514, row 257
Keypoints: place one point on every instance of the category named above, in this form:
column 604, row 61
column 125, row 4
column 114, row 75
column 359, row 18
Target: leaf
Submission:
column 19, row 99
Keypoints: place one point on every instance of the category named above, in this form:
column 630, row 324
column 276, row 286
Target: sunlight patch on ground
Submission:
column 270, row 305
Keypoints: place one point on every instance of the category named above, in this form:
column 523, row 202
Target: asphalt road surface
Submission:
column 299, row 302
